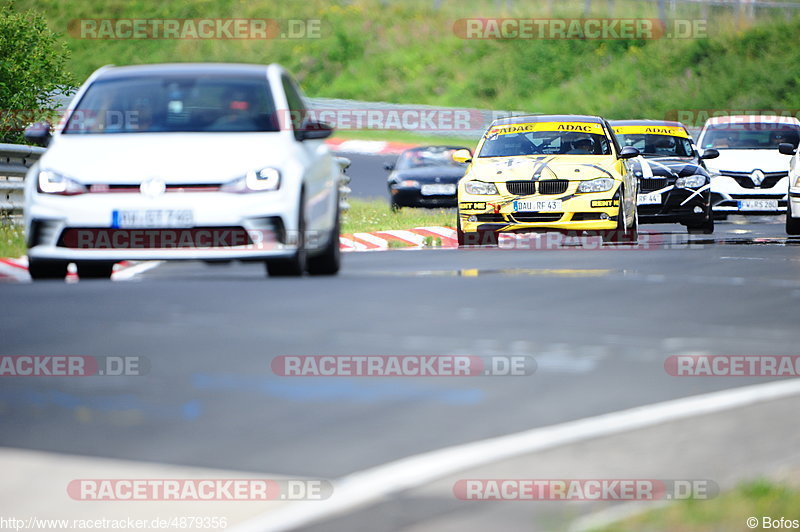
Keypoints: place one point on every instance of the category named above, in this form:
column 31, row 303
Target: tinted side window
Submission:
column 297, row 108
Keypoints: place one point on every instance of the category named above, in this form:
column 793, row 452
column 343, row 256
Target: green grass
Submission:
column 729, row 511
column 375, row 215
column 406, row 52
column 12, row 240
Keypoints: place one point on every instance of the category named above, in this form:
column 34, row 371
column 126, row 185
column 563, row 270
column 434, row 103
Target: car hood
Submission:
column 666, row 167
column 173, row 157
column 431, row 174
column 572, row 167
column 749, row 160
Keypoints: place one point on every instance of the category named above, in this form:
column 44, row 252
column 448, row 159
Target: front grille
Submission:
column 521, row 188
column 537, row 217
column 652, row 183
column 743, row 178
column 159, row 238
column 490, row 217
column 553, row 186
column 104, row 188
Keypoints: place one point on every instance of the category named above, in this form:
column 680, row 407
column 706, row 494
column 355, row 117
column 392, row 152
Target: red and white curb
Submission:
column 17, row 270
column 368, row 147
column 408, row 238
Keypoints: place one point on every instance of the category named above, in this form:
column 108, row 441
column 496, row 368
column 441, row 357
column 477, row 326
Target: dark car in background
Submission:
column 425, row 176
column 674, row 184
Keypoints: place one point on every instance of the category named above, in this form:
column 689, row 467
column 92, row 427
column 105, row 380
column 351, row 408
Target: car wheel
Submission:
column 475, row 238
column 295, row 265
column 41, row 269
column 329, row 262
column 394, row 206
column 704, row 228
column 95, row 270
column 623, row 234
column 792, row 224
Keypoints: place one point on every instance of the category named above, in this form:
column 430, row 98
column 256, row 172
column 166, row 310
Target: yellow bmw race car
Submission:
column 562, row 173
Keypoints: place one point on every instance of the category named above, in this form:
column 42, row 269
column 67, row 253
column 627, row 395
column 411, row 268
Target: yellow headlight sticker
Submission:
column 556, row 127
column 672, row 131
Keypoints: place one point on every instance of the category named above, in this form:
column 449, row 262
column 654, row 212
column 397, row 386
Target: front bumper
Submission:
column 727, row 197
column 413, row 197
column 678, row 205
column 578, row 212
column 76, row 228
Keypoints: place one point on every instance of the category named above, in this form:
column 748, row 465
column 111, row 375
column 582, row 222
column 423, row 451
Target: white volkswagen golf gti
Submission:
column 213, row 162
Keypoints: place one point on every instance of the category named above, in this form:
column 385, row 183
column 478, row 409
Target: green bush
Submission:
column 32, row 69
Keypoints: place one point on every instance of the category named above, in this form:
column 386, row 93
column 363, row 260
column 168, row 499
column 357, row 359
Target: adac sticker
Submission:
column 579, row 127
column 472, row 206
column 672, row 131
column 601, row 203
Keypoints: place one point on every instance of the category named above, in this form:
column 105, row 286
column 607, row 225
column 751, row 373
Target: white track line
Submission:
column 137, row 269
column 361, row 488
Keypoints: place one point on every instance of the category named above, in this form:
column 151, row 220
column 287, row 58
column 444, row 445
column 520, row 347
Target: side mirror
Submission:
column 462, row 156
column 628, row 152
column 710, row 153
column 786, row 148
column 314, row 131
column 388, row 167
column 38, row 133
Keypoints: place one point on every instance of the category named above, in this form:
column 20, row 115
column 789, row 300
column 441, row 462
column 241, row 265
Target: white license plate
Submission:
column 758, row 205
column 152, row 218
column 653, row 198
column 438, row 190
column 537, row 205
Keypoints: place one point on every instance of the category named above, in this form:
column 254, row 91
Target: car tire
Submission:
column 704, row 228
column 792, row 224
column 295, row 265
column 623, row 234
column 95, row 270
column 475, row 238
column 394, row 206
column 330, row 260
column 43, row 269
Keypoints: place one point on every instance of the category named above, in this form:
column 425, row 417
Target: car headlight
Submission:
column 692, row 181
column 262, row 180
column 601, row 184
column 51, row 182
column 409, row 183
column 480, row 188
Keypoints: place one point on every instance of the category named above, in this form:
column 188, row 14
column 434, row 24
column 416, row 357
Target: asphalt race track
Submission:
column 599, row 323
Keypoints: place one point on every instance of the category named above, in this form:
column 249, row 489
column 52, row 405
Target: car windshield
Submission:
column 175, row 104
column 505, row 141
column 422, row 157
column 662, row 145
column 759, row 136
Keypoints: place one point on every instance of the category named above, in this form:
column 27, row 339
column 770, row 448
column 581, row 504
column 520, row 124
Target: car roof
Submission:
column 232, row 69
column 646, row 122
column 752, row 119
column 526, row 119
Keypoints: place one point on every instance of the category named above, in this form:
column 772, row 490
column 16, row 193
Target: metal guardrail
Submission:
column 15, row 159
